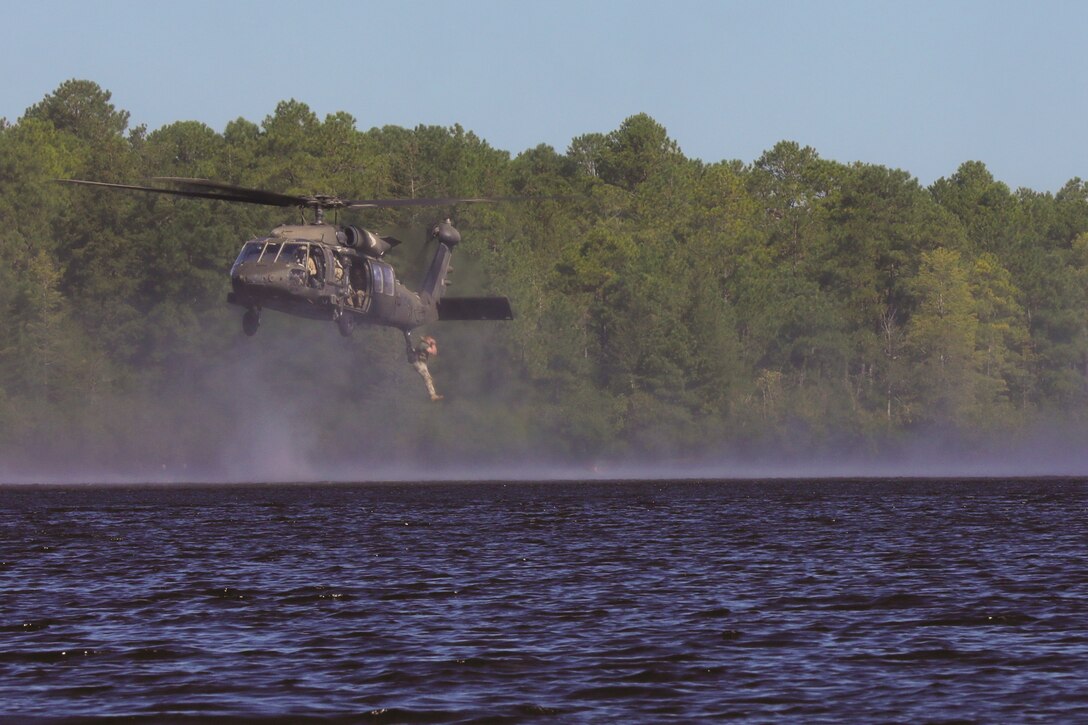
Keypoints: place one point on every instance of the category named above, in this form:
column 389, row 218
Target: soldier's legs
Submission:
column 421, row 368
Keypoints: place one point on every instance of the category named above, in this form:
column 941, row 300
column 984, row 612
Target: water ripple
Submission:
column 687, row 600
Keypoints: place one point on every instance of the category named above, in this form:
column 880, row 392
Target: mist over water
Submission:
column 282, row 450
column 282, row 441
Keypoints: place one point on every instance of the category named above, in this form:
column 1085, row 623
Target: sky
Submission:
column 921, row 86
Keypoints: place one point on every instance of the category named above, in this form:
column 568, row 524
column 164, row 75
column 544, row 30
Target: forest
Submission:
column 666, row 309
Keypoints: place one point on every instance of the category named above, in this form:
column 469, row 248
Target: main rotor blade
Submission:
column 257, row 196
column 266, row 198
column 328, row 201
column 448, row 201
column 393, row 204
column 205, row 189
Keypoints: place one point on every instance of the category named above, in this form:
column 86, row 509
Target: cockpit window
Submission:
column 294, row 253
column 270, row 252
column 251, row 251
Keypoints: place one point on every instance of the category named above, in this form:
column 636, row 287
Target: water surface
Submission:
column 581, row 601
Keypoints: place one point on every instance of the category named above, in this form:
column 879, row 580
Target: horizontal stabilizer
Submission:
column 391, row 241
column 474, row 308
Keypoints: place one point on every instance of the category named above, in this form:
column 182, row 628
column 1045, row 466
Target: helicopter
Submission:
column 329, row 272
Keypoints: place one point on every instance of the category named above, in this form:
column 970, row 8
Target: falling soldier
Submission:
column 418, row 356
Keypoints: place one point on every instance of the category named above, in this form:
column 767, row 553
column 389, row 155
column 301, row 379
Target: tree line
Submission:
column 665, row 306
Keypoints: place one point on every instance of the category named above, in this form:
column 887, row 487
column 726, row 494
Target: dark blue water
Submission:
column 812, row 600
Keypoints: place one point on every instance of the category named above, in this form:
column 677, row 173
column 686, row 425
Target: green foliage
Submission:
column 941, row 339
column 664, row 306
column 635, row 152
column 83, row 109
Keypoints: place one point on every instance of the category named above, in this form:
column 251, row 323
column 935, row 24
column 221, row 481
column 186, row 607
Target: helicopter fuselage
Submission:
column 306, row 270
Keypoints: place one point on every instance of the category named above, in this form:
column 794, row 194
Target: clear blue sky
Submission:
column 921, row 86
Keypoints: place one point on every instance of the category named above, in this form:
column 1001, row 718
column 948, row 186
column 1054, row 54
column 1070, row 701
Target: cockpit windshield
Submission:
column 267, row 251
column 294, row 253
column 271, row 250
column 251, row 251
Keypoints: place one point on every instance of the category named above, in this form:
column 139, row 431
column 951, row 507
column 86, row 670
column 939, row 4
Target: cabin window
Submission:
column 381, row 275
column 376, row 274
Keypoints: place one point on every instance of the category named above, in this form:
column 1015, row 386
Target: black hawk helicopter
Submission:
column 336, row 273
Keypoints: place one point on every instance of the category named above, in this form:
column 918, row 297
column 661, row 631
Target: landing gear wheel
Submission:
column 345, row 323
column 251, row 320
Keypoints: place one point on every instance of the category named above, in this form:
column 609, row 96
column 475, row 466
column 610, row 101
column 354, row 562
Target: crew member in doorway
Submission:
column 418, row 356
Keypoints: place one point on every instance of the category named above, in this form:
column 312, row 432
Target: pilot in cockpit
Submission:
column 309, row 263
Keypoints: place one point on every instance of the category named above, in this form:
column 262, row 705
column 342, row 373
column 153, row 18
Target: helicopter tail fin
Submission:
column 434, row 284
column 475, row 308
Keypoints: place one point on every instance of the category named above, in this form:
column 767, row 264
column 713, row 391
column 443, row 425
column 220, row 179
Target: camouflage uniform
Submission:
column 427, row 347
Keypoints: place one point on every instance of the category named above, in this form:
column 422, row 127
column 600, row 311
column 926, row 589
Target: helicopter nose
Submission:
column 246, row 277
column 248, row 274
